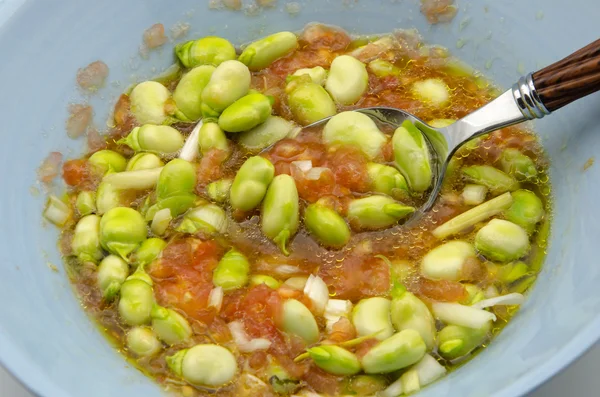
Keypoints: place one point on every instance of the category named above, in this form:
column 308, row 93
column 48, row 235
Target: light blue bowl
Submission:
column 46, row 339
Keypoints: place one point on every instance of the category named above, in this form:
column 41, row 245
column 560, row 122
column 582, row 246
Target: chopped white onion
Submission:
column 336, row 309
column 57, row 211
column 429, row 370
column 466, row 316
column 508, row 299
column 316, row 290
column 139, row 179
column 161, row 221
column 474, row 194
column 296, row 282
column 491, row 292
column 244, row 343
column 215, row 298
column 255, row 345
column 315, row 173
column 286, row 270
column 303, row 165
column 238, row 332
column 189, row 151
column 393, row 390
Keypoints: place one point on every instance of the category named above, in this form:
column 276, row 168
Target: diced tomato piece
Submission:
column 183, row 276
column 321, row 36
column 357, row 277
column 342, row 331
column 321, row 381
column 210, row 168
column 80, row 174
column 349, row 166
column 259, row 309
column 438, row 290
column 122, row 113
column 388, row 151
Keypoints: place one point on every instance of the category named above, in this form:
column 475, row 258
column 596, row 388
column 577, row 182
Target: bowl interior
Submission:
column 52, row 346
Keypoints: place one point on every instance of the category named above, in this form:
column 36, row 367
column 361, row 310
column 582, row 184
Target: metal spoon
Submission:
column 533, row 96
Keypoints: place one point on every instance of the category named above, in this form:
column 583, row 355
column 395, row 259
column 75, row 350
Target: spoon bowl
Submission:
column 532, row 96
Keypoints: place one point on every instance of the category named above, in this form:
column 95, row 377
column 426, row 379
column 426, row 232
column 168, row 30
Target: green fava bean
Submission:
column 371, row 316
column 502, row 241
column 112, row 273
column 246, row 113
column 411, row 156
column 455, row 341
column 188, row 93
column 218, row 191
column 176, row 205
column 232, row 271
column 513, row 272
column 298, row 320
column 143, row 342
column 228, row 83
column 250, row 183
column 85, row 203
column 260, row 54
column 122, row 230
column 376, row 212
column 308, row 101
column 204, row 365
column 382, row 68
column 448, row 261
column 208, row 218
column 335, row 360
column 348, row 80
column 211, row 136
column 107, row 160
column 144, row 161
column 160, row 139
column 526, row 210
column 354, row 129
column 177, row 177
column 137, row 299
column 149, row 250
column 409, row 312
column 365, row 385
column 148, row 102
column 170, row 326
column 396, row 352
column 280, row 211
column 518, row 165
column 269, row 281
column 318, row 74
column 266, row 134
column 497, row 181
column 387, row 180
column 474, row 295
column 208, row 50
column 86, row 239
column 326, row 225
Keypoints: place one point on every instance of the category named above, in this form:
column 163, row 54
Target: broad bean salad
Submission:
column 228, row 251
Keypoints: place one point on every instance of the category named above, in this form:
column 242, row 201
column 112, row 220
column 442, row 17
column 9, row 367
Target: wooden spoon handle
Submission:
column 569, row 79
